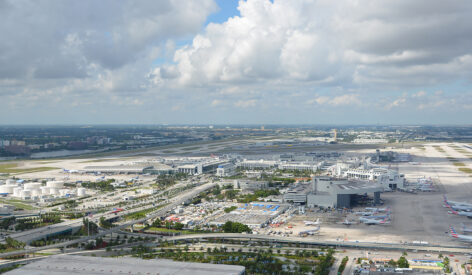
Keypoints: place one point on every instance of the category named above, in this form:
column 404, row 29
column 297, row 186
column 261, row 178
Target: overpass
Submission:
column 309, row 241
column 174, row 202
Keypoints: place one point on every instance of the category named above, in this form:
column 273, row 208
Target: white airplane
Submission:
column 373, row 209
column 461, row 213
column 457, row 203
column 467, row 229
column 311, row 231
column 317, row 222
column 365, row 213
column 372, row 221
column 454, row 234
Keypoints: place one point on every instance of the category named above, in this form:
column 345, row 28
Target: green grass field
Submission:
column 466, row 170
column 18, row 204
column 458, row 164
column 12, row 168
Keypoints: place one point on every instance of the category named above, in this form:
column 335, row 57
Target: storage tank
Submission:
column 7, row 188
column 25, row 194
column 55, row 184
column 36, row 192
column 11, row 182
column 16, row 191
column 32, row 185
column 44, row 190
column 81, row 192
column 53, row 191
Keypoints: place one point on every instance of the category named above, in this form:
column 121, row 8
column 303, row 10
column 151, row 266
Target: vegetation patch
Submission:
column 18, row 204
column 458, row 164
column 12, row 168
column 466, row 170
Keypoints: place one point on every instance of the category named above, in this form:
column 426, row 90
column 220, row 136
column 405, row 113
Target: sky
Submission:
column 235, row 62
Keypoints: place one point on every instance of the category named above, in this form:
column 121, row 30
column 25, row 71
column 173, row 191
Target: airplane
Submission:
column 373, row 209
column 311, row 231
column 461, row 213
column 317, row 222
column 454, row 234
column 457, row 203
column 365, row 213
column 466, row 228
column 372, row 221
column 379, row 217
column 458, row 207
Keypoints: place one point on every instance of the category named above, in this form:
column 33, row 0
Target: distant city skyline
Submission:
column 225, row 62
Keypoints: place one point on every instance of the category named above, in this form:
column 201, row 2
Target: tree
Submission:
column 403, row 262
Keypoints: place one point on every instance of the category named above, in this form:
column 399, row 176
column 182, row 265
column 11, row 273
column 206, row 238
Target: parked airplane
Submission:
column 467, row 229
column 373, row 209
column 461, row 213
column 317, row 222
column 454, row 234
column 457, row 203
column 310, row 232
column 372, row 221
column 458, row 207
column 365, row 213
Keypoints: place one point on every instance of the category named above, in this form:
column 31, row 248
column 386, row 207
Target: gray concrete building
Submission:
column 332, row 192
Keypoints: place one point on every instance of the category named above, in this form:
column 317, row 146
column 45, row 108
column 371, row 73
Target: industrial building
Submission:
column 70, row 264
column 340, row 193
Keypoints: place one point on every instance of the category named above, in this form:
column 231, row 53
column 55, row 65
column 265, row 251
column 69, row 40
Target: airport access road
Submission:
column 308, row 241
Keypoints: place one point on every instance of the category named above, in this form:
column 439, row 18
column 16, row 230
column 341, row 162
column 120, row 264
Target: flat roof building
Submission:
column 332, row 192
column 69, row 264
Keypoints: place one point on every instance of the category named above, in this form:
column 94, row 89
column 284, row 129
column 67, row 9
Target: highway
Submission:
column 308, row 241
column 172, row 203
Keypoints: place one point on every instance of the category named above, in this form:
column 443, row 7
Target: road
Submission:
column 172, row 203
column 308, row 241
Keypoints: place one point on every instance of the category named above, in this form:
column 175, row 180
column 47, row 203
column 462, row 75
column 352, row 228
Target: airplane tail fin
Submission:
column 445, row 199
column 453, row 232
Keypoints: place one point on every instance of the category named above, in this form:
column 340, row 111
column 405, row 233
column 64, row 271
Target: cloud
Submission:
column 332, row 43
column 245, row 103
column 154, row 57
column 342, row 100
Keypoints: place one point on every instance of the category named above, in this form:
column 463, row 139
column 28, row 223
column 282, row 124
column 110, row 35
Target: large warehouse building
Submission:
column 68, row 264
column 340, row 193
